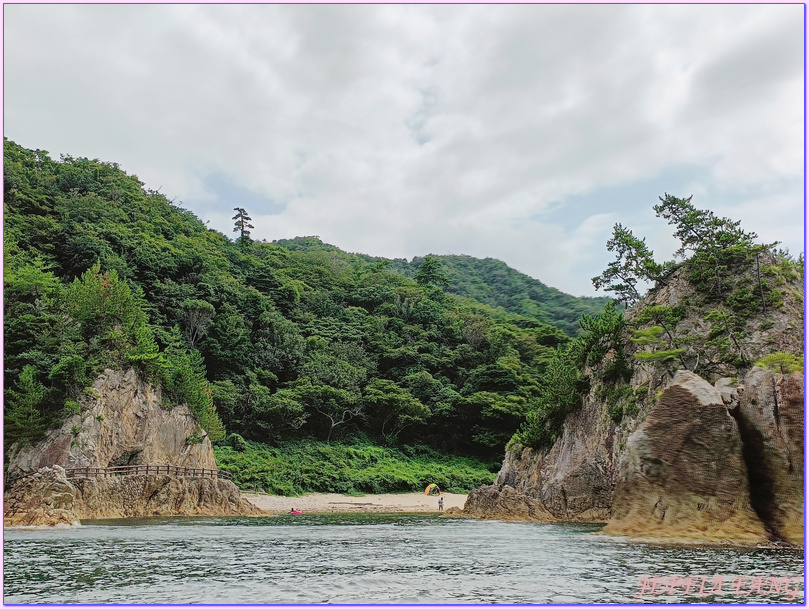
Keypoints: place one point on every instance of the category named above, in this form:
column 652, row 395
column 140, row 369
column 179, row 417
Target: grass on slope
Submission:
column 295, row 468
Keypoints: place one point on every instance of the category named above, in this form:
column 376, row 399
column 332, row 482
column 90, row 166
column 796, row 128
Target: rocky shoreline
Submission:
column 49, row 498
column 121, row 423
column 708, row 465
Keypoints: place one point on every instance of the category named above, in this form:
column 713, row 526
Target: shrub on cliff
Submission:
column 567, row 376
column 785, row 363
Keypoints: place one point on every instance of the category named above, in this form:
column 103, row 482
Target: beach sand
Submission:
column 331, row 502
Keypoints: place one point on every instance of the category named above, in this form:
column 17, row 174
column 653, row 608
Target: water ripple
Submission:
column 373, row 558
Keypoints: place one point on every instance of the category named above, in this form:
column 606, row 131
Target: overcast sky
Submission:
column 522, row 133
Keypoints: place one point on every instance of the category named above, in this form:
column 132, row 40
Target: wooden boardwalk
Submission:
column 146, row 470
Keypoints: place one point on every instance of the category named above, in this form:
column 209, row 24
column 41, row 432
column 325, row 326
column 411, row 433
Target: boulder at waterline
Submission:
column 48, row 497
column 682, row 475
column 770, row 417
column 505, row 503
column 123, row 423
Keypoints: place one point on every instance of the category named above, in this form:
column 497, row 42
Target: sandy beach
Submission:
column 332, row 502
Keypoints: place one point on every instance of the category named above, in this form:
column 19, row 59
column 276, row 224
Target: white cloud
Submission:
column 403, row 130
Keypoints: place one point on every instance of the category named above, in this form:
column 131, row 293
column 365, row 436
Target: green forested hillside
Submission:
column 490, row 282
column 496, row 284
column 285, row 342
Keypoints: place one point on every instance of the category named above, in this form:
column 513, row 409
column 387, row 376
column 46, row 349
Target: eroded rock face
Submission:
column 577, row 474
column 49, row 498
column 719, row 463
column 576, row 480
column 682, row 474
column 44, row 498
column 125, row 425
column 505, row 503
column 572, row 482
column 770, row 415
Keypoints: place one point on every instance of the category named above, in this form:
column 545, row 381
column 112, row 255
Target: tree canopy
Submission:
column 270, row 341
column 712, row 246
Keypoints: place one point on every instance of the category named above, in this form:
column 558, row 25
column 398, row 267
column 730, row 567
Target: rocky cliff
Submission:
column 770, row 415
column 682, row 474
column 574, row 481
column 716, row 455
column 123, row 422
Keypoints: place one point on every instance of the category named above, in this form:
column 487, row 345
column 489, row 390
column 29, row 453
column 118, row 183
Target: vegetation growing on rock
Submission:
column 728, row 304
column 298, row 344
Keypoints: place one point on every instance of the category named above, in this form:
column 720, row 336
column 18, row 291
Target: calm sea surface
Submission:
column 377, row 559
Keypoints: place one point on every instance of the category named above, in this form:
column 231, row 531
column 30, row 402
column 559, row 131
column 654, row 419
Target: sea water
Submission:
column 379, row 559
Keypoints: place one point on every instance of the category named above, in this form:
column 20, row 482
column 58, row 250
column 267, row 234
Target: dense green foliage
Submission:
column 634, row 263
column 324, row 368
column 293, row 468
column 487, row 281
column 730, row 279
column 287, row 341
column 716, row 249
column 568, row 376
column 734, row 279
column 494, row 283
column 785, row 363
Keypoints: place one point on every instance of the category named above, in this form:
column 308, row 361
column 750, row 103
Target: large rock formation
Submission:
column 126, row 424
column 123, row 423
column 48, row 497
column 770, row 414
column 616, row 433
column 572, row 482
column 706, row 464
column 505, row 503
column 682, row 475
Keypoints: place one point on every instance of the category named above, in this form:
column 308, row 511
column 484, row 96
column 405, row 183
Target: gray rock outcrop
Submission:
column 504, row 503
column 707, row 464
column 752, row 423
column 682, row 475
column 770, row 415
column 124, row 423
column 572, row 482
column 49, row 498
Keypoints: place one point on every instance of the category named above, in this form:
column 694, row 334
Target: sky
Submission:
column 517, row 132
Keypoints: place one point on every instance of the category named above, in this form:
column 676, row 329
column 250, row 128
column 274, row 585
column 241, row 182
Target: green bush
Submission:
column 294, row 468
column 237, row 443
column 659, row 356
column 785, row 363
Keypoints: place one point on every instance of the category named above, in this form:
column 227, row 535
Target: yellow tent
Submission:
column 432, row 490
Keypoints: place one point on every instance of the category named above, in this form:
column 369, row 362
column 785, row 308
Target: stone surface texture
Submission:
column 731, row 469
column 123, row 423
column 683, row 474
column 48, row 497
column 771, row 420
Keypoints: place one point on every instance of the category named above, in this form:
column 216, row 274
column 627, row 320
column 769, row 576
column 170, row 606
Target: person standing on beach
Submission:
column 441, row 504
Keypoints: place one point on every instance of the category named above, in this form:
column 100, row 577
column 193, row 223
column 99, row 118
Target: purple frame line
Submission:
column 2, row 239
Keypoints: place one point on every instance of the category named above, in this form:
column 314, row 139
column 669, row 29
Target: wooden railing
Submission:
column 146, row 470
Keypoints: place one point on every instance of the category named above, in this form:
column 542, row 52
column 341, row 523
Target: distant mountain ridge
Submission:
column 489, row 281
column 496, row 284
